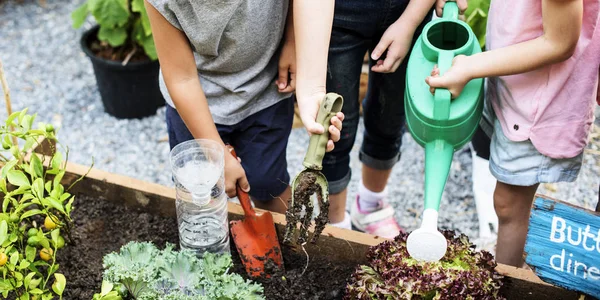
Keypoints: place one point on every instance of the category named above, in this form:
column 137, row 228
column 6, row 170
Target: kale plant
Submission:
column 392, row 274
column 146, row 273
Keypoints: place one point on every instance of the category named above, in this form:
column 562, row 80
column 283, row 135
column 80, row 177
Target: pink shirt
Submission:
column 552, row 106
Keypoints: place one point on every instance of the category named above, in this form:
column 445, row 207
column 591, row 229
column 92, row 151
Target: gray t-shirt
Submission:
column 236, row 47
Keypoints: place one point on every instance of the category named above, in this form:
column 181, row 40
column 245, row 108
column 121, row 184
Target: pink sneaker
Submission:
column 379, row 222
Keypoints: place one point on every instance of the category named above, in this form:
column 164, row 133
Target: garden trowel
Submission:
column 256, row 239
column 310, row 180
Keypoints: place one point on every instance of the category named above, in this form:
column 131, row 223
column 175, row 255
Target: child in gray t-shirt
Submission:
column 227, row 73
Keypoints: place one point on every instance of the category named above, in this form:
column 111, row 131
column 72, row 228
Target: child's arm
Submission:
column 181, row 77
column 562, row 25
column 313, row 21
column 398, row 37
column 286, row 81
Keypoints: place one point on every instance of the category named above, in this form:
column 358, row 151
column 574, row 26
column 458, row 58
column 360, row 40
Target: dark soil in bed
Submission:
column 103, row 226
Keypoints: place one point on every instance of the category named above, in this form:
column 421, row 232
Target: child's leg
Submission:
column 352, row 23
column 519, row 168
column 261, row 142
column 513, row 206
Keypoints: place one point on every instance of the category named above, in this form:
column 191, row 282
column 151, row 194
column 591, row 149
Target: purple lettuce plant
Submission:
column 462, row 273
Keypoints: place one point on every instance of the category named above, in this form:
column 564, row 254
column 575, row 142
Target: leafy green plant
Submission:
column 392, row 274
column 122, row 23
column 141, row 271
column 36, row 211
column 476, row 16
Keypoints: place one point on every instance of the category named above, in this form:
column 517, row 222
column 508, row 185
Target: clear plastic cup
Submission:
column 201, row 202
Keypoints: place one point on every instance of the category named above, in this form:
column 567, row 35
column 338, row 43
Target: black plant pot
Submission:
column 129, row 91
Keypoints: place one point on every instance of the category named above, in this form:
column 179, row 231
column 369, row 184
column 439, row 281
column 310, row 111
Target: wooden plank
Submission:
column 563, row 245
column 338, row 244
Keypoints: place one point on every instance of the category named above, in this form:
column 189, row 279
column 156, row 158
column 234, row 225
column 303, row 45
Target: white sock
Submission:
column 345, row 224
column 369, row 200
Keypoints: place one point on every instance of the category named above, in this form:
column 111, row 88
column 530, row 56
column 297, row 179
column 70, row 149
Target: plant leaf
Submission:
column 37, row 166
column 3, row 231
column 59, row 283
column 38, row 188
column 79, row 15
column 149, row 47
column 55, row 234
column 22, row 115
column 58, row 178
column 114, row 36
column 7, row 167
column 110, row 13
column 30, row 213
column 48, row 186
column 17, row 178
column 138, row 6
column 11, row 118
column 30, row 253
column 14, row 259
column 54, row 203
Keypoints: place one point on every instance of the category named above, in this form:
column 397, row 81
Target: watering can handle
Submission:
column 450, row 10
column 330, row 106
column 442, row 97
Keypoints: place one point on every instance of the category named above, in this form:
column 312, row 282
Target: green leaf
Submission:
column 26, row 122
column 54, row 203
column 22, row 115
column 36, row 291
column 48, row 186
column 44, row 242
column 114, row 36
column 3, row 231
column 79, row 15
column 38, row 188
column 107, row 286
column 17, row 178
column 149, row 47
column 14, row 259
column 7, row 167
column 58, row 178
column 56, row 161
column 69, row 205
column 37, row 166
column 34, row 283
column 11, row 118
column 138, row 6
column 55, row 234
column 5, row 202
column 30, row 213
column 59, row 284
column 30, row 253
column 110, row 13
column 27, row 279
column 64, row 197
column 23, row 265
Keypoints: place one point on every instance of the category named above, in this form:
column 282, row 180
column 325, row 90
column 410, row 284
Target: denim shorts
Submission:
column 259, row 140
column 357, row 28
column 520, row 163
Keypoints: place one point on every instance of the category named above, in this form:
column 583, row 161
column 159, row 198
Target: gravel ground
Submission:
column 47, row 72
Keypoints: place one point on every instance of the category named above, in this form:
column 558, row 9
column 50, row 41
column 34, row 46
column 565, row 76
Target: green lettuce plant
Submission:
column 122, row 23
column 392, row 274
column 36, row 211
column 141, row 271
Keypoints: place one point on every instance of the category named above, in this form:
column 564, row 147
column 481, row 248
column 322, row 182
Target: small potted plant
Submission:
column 122, row 52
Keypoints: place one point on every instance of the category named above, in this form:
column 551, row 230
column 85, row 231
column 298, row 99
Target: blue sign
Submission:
column 563, row 245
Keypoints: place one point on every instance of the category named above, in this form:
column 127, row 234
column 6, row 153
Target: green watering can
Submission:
column 438, row 123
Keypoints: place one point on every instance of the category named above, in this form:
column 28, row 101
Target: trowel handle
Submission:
column 330, row 106
column 450, row 10
column 242, row 196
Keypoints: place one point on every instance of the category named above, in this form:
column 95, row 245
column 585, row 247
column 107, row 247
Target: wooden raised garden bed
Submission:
column 111, row 210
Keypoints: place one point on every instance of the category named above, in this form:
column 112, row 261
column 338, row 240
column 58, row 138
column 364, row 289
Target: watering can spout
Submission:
column 438, row 158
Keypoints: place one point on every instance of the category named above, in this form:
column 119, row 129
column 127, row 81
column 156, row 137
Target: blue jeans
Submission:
column 260, row 141
column 357, row 28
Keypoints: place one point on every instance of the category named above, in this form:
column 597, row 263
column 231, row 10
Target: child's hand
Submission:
column 234, row 174
column 462, row 6
column 309, row 107
column 286, row 82
column 454, row 79
column 396, row 40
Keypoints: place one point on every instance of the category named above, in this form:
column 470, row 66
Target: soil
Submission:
column 307, row 186
column 104, row 50
column 103, row 226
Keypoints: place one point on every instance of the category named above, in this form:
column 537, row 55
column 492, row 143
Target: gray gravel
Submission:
column 47, row 72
